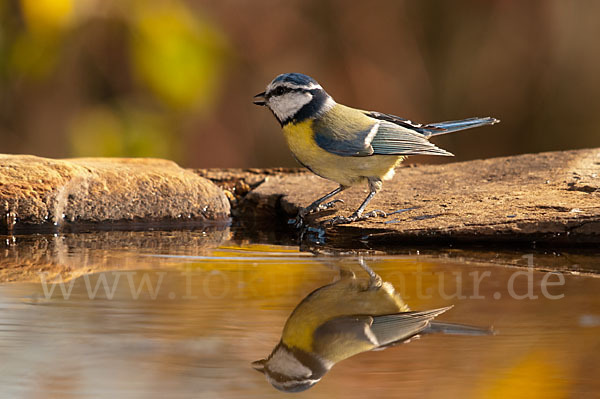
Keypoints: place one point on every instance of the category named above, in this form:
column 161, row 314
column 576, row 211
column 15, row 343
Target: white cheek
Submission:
column 283, row 362
column 287, row 105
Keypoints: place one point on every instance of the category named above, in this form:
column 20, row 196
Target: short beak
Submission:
column 259, row 99
column 259, row 365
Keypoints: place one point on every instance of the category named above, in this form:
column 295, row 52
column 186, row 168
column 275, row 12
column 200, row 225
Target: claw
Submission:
column 342, row 220
column 355, row 217
column 321, row 207
column 329, row 204
column 374, row 214
column 336, row 220
column 298, row 221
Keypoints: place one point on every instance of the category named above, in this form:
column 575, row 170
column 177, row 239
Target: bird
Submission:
column 343, row 319
column 347, row 145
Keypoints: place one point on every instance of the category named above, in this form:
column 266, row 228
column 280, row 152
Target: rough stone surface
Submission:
column 547, row 198
column 237, row 183
column 37, row 191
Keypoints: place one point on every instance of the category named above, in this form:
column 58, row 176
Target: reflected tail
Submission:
column 457, row 329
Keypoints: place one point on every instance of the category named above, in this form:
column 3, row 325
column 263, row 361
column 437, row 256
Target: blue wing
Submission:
column 381, row 138
column 377, row 330
column 374, row 133
column 349, row 142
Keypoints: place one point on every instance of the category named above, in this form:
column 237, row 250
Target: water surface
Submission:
column 184, row 314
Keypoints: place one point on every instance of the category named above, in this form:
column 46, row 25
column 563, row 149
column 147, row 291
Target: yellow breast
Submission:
column 346, row 171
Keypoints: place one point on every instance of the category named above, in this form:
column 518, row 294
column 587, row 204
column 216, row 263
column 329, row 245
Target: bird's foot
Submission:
column 298, row 221
column 328, row 205
column 375, row 281
column 355, row 217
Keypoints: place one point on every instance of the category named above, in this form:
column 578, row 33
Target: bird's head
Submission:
column 294, row 97
column 288, row 373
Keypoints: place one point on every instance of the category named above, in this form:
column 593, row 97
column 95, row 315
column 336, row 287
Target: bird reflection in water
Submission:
column 343, row 319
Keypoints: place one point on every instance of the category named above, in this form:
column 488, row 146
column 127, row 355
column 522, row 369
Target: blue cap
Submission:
column 295, row 78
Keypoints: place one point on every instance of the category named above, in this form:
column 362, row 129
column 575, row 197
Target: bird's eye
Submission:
column 279, row 91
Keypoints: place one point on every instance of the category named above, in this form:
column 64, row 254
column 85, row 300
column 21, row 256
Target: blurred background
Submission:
column 175, row 78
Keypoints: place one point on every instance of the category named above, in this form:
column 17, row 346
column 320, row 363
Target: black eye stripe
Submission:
column 281, row 90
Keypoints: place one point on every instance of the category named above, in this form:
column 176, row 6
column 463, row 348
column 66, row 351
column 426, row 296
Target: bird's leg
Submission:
column 318, row 205
column 374, row 185
column 375, row 280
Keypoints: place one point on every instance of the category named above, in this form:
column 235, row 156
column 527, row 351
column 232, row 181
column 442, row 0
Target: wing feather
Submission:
column 397, row 120
column 393, row 139
column 393, row 328
column 349, row 142
column 373, row 133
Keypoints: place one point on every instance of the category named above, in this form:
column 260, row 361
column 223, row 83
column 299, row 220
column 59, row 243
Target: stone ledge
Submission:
column 548, row 198
column 39, row 192
column 551, row 198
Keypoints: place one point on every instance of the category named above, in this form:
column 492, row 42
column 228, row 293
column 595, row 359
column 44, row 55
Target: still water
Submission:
column 185, row 314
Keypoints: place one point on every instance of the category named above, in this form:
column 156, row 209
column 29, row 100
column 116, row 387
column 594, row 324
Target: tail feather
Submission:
column 457, row 329
column 435, row 129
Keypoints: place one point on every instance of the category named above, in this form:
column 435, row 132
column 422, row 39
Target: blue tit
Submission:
column 343, row 319
column 347, row 145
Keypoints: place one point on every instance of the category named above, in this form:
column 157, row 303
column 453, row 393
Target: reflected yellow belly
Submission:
column 346, row 171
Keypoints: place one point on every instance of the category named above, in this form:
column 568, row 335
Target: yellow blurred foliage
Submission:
column 533, row 376
column 275, row 284
column 36, row 50
column 275, row 279
column 130, row 131
column 179, row 56
column 44, row 17
column 33, row 56
column 97, row 132
column 413, row 279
